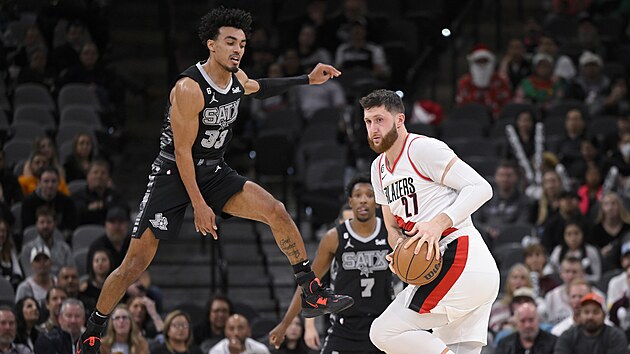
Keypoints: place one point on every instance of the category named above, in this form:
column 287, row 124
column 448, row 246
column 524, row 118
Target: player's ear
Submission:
column 210, row 44
column 400, row 119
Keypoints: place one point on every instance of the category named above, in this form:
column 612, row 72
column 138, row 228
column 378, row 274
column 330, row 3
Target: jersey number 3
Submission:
column 215, row 139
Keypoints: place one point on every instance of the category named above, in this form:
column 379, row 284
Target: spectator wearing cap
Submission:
column 601, row 94
column 592, row 335
column 522, row 295
column 98, row 196
column 618, row 285
column 8, row 332
column 563, row 67
column 482, row 84
column 38, row 284
column 60, row 251
column 620, row 309
column 576, row 289
column 116, row 238
column 541, row 88
column 528, row 337
column 574, row 245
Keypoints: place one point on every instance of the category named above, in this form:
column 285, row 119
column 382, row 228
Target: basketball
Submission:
column 414, row 269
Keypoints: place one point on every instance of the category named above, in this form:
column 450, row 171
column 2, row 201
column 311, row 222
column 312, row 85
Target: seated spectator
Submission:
column 590, row 192
column 563, row 67
column 9, row 263
column 592, row 335
column 62, row 339
column 575, row 246
column 98, row 196
column 541, row 88
column 79, row 161
column 569, row 210
column 620, row 158
column 47, row 194
column 338, row 28
column 587, row 38
column 526, row 134
column 577, row 289
column 116, row 238
column 569, row 147
column 309, row 50
column 528, row 337
column 211, row 331
column 600, row 94
column 311, row 98
column 54, row 297
column 11, row 189
column 68, row 280
column 143, row 287
column 507, row 203
column 67, row 55
column 178, row 338
column 541, row 273
column 261, row 108
column 123, row 335
column 518, row 277
column 590, row 155
column 618, row 285
column 38, row 284
column 99, row 267
column 547, row 205
column 356, row 53
column 620, row 309
column 514, row 66
column 61, row 253
column 8, row 333
column 145, row 315
column 32, row 41
column 29, row 179
column 37, row 71
column 294, row 339
column 237, row 338
column 46, row 145
column 482, row 84
column 27, row 314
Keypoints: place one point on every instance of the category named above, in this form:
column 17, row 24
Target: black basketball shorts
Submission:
column 164, row 203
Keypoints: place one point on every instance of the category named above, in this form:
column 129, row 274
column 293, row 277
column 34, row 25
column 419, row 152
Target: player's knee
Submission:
column 378, row 333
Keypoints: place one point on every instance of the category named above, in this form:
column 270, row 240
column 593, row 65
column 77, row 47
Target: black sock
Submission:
column 98, row 318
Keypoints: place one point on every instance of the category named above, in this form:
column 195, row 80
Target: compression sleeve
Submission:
column 473, row 191
column 276, row 86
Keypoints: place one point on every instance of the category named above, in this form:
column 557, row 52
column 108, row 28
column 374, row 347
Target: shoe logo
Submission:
column 217, row 169
column 382, row 242
column 160, row 222
column 213, row 99
column 236, row 89
column 322, row 301
column 348, row 245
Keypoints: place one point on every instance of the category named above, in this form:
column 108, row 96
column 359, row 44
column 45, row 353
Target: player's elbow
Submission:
column 485, row 190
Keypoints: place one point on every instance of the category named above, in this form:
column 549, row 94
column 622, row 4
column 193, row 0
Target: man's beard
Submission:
column 386, row 141
column 591, row 327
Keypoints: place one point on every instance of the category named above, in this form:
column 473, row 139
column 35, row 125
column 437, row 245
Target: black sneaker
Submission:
column 317, row 301
column 90, row 340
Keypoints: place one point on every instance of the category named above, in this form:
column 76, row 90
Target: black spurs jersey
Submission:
column 360, row 270
column 215, row 120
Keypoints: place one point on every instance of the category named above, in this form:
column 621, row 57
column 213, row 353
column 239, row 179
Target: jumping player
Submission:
column 354, row 252
column 428, row 194
column 202, row 108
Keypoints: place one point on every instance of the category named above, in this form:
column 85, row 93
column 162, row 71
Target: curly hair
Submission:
column 222, row 17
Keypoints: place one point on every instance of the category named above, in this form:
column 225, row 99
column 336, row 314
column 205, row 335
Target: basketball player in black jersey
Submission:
column 354, row 252
column 202, row 108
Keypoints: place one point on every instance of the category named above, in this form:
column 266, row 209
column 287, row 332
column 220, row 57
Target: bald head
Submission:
column 527, row 322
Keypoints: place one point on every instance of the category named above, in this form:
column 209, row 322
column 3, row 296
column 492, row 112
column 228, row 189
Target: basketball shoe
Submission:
column 90, row 340
column 317, row 300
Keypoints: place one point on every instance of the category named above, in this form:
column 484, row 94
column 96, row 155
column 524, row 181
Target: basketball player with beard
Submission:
column 428, row 194
column 201, row 111
column 483, row 84
column 354, row 252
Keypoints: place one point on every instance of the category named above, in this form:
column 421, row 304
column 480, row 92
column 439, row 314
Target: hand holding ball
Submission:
column 414, row 269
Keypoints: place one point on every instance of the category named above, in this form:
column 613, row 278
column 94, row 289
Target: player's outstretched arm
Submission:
column 321, row 265
column 186, row 103
column 269, row 87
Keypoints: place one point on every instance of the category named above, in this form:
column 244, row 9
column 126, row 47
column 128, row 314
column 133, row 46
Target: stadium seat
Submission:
column 33, row 94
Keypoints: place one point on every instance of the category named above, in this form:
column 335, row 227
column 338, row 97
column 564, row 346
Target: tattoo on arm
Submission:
column 289, row 248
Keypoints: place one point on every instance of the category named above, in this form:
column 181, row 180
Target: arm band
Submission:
column 276, row 86
column 473, row 191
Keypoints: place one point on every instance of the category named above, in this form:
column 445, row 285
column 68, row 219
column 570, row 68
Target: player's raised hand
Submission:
column 205, row 220
column 276, row 335
column 428, row 232
column 322, row 73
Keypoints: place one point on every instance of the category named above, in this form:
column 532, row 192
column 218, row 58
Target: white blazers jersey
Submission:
column 411, row 185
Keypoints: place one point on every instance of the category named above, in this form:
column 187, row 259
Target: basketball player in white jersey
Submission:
column 428, row 194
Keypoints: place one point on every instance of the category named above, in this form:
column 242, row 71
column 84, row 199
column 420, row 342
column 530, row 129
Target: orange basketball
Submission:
column 413, row 268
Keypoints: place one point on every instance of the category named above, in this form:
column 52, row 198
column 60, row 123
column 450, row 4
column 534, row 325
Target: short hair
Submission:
column 71, row 301
column 388, row 98
column 98, row 162
column 49, row 168
column 580, row 281
column 220, row 297
column 52, row 289
column 8, row 309
column 507, row 163
column 356, row 179
column 44, row 210
column 222, row 17
column 571, row 260
column 534, row 249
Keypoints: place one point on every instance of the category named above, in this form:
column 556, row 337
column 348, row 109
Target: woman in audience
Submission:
column 574, row 245
column 541, row 273
column 27, row 317
column 46, row 146
column 77, row 164
column 294, row 339
column 9, row 263
column 144, row 314
column 611, row 223
column 123, row 335
column 178, row 338
column 549, row 201
column 99, row 268
column 518, row 277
